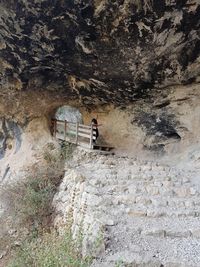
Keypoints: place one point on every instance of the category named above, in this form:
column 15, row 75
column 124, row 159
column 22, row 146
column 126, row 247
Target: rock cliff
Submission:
column 138, row 56
column 135, row 66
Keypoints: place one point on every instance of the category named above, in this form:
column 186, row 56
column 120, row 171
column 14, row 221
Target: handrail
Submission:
column 74, row 132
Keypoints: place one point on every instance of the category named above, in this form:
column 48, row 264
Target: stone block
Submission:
column 152, row 190
column 196, row 233
column 141, row 199
column 189, row 204
column 193, row 191
column 93, row 200
column 155, row 213
column 154, row 232
column 137, row 213
column 179, row 234
column 167, row 184
column 159, row 202
column 182, row 192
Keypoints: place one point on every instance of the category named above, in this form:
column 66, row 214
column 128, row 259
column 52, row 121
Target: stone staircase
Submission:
column 149, row 214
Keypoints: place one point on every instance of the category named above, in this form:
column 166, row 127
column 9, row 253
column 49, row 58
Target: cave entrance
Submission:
column 68, row 126
column 70, row 114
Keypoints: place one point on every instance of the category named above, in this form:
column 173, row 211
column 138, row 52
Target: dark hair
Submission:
column 94, row 121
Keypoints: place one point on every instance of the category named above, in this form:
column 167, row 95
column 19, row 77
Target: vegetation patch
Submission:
column 51, row 250
column 30, row 200
column 32, row 241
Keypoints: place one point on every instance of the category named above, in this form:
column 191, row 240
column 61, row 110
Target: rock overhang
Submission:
column 99, row 51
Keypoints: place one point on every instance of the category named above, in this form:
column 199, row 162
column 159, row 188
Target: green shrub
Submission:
column 67, row 150
column 57, row 157
column 29, row 205
column 51, row 154
column 35, row 203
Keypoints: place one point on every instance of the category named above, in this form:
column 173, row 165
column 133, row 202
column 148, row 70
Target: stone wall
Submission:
column 128, row 210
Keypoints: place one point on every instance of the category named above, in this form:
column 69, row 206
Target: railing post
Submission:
column 77, row 132
column 91, row 138
column 65, row 130
column 55, row 127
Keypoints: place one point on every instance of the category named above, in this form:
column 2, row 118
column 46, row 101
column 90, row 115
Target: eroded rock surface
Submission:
column 10, row 135
column 99, row 51
column 140, row 57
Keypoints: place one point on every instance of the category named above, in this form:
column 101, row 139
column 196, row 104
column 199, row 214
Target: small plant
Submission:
column 57, row 157
column 51, row 155
column 119, row 263
column 99, row 240
column 51, row 250
column 67, row 150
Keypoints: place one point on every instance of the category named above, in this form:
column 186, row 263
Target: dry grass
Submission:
column 50, row 250
column 32, row 242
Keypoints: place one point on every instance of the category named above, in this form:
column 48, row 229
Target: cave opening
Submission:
column 69, row 113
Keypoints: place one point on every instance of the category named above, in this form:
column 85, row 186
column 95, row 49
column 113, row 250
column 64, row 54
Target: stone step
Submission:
column 161, row 227
column 163, row 180
column 165, row 233
column 131, row 249
column 162, row 212
column 145, row 253
column 119, row 261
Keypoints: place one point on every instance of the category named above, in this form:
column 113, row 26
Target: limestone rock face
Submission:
column 137, row 56
column 10, row 136
column 99, row 51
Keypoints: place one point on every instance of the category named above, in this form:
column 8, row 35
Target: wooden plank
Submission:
column 87, row 131
column 87, row 135
column 91, row 137
column 60, row 122
column 103, row 147
column 85, row 126
column 72, row 124
column 84, row 135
